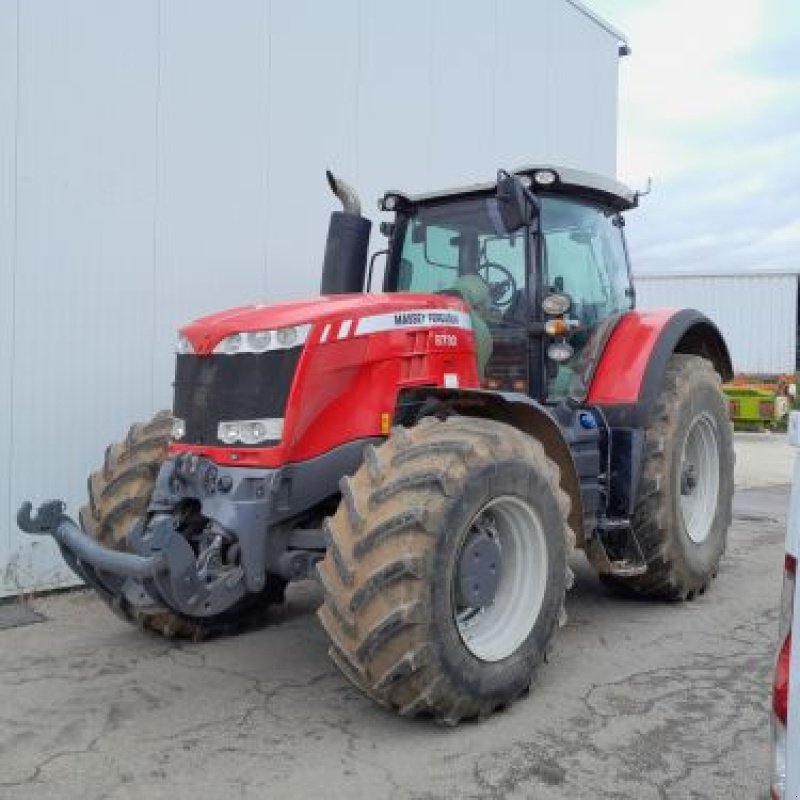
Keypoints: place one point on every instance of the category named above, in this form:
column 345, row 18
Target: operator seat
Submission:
column 517, row 311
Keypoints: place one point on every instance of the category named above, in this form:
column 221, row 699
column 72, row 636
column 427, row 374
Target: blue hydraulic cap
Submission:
column 587, row 420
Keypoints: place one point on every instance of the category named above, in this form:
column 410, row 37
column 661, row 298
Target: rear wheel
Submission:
column 446, row 568
column 683, row 511
column 119, row 494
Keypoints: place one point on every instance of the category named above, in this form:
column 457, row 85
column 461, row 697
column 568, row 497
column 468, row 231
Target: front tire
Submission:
column 402, row 625
column 683, row 510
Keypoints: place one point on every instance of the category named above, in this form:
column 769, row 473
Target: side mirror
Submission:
column 516, row 205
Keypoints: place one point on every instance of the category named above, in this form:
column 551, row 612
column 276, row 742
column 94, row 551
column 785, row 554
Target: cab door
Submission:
column 503, row 266
column 584, row 256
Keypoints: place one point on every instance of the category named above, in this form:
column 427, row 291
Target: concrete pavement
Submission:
column 638, row 700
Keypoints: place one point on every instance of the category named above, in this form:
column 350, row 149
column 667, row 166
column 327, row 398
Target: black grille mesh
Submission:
column 216, row 388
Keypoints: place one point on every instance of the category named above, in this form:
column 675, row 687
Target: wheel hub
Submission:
column 688, row 479
column 698, row 478
column 479, row 569
column 498, row 582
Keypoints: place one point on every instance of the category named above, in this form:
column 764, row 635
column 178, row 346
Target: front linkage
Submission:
column 228, row 561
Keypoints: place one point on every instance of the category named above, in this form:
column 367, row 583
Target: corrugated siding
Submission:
column 161, row 160
column 757, row 314
column 8, row 186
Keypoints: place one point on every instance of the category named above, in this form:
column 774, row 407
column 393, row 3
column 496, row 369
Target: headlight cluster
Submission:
column 184, row 346
column 250, row 431
column 262, row 341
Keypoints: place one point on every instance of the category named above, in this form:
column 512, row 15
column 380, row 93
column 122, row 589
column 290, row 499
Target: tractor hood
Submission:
column 207, row 332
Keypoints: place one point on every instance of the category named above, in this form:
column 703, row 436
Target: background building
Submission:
column 160, row 160
column 757, row 312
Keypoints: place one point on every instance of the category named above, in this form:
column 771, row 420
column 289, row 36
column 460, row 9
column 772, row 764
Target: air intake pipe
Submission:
column 347, row 246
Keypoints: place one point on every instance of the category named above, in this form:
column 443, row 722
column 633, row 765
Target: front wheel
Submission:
column 446, row 568
column 683, row 510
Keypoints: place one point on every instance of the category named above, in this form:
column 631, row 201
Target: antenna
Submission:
column 644, row 192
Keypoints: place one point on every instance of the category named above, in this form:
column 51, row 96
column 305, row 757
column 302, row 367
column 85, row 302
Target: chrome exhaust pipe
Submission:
column 351, row 204
column 344, row 265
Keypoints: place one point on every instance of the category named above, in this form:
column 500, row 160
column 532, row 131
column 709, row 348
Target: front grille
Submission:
column 220, row 388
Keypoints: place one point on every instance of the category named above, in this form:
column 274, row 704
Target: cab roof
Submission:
column 568, row 182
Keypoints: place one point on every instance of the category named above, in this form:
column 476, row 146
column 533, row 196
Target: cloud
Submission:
column 787, row 234
column 710, row 107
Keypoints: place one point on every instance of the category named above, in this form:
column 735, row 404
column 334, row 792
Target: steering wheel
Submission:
column 503, row 288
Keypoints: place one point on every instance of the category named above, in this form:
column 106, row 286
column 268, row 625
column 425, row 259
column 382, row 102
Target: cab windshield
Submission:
column 443, row 245
column 461, row 248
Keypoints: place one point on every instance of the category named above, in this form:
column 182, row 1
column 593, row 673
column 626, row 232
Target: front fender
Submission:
column 514, row 409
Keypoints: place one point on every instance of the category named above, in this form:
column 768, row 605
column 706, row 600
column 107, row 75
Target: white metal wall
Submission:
column 757, row 314
column 159, row 160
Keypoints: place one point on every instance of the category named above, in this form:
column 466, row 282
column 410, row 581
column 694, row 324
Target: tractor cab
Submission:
column 539, row 258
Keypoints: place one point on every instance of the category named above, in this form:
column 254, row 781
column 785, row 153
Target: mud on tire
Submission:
column 119, row 494
column 680, row 568
column 393, row 545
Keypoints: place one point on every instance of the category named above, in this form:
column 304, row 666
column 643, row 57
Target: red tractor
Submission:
column 432, row 453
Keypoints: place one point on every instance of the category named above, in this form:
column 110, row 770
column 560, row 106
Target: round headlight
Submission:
column 560, row 352
column 287, row 336
column 228, row 432
column 259, row 340
column 556, row 304
column 253, row 432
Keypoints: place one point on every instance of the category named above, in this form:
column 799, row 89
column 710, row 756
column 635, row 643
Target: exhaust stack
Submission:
column 345, row 263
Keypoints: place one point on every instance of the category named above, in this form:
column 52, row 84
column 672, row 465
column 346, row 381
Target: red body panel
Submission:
column 620, row 373
column 360, row 353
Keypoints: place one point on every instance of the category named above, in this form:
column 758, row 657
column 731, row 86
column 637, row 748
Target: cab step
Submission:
column 616, row 547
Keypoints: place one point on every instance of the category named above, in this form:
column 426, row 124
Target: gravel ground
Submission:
column 638, row 700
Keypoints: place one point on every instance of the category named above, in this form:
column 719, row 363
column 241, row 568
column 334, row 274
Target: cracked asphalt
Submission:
column 638, row 700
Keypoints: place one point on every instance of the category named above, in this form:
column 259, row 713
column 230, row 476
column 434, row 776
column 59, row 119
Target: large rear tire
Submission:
column 119, row 494
column 683, row 510
column 402, row 626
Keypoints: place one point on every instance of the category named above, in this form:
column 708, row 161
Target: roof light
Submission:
column 544, row 177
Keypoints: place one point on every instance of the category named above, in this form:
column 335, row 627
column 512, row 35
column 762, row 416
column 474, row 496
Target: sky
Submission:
column 710, row 109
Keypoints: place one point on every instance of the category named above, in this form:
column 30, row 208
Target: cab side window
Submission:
column 584, row 257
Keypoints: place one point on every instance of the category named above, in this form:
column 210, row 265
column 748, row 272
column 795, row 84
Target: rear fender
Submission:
column 628, row 380
column 631, row 370
column 513, row 409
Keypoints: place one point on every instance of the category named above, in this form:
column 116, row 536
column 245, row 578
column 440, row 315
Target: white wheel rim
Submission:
column 497, row 630
column 698, row 478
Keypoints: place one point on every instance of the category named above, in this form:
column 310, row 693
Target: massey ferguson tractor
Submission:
column 432, row 453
